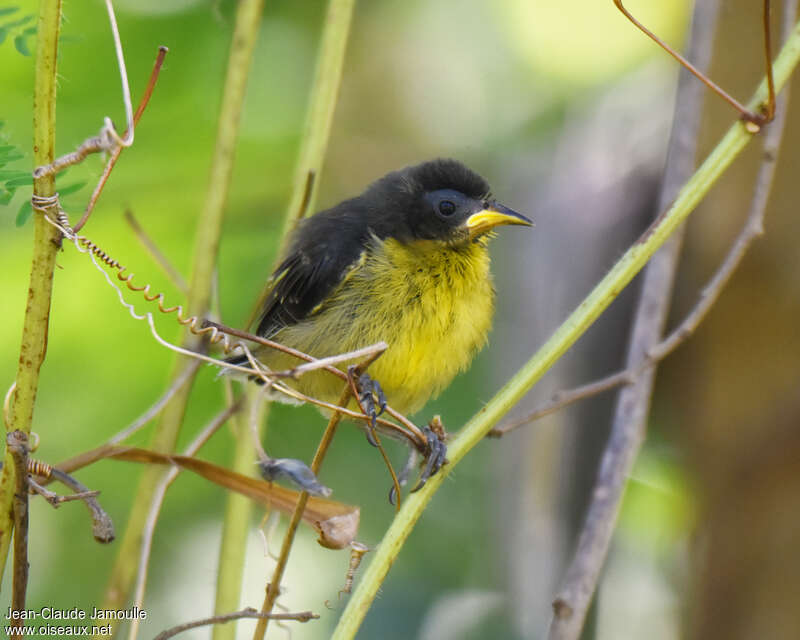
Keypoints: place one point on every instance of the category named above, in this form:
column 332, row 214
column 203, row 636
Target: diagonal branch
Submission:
column 630, row 419
column 731, row 145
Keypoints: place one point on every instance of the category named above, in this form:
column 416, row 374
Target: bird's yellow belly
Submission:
column 433, row 306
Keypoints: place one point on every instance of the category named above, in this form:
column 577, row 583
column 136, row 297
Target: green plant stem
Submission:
column 248, row 20
column 236, row 525
column 317, row 130
column 565, row 336
column 45, row 246
column 324, row 93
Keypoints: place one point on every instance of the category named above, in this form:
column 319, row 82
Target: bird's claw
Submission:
column 435, row 453
column 372, row 400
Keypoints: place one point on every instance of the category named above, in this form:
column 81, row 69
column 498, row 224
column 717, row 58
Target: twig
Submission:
column 756, row 119
column 108, row 139
column 17, row 445
column 161, row 260
column 158, row 500
column 632, row 261
column 629, row 424
column 57, row 500
column 419, row 438
column 249, row 612
column 102, row 525
column 274, row 585
column 563, row 398
column 375, row 349
column 162, row 52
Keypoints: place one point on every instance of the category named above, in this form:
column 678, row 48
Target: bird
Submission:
column 407, row 263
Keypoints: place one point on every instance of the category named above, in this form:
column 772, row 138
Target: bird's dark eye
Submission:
column 447, row 208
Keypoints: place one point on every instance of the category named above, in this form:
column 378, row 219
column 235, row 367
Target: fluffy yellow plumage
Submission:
column 431, row 302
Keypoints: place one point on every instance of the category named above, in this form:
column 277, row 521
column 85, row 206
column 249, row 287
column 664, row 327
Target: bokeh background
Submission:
column 566, row 109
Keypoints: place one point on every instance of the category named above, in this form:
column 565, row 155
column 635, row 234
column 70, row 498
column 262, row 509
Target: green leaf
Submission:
column 10, row 174
column 10, row 155
column 5, row 196
column 4, row 11
column 24, row 213
column 71, row 188
column 20, row 22
column 21, row 45
column 20, row 182
column 3, row 34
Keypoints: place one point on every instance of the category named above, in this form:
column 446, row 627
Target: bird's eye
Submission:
column 447, row 208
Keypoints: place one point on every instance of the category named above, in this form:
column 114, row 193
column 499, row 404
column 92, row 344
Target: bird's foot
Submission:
column 435, row 456
column 371, row 399
column 436, row 451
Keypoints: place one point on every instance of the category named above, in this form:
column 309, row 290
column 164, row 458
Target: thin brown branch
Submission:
column 418, row 439
column 758, row 120
column 374, row 349
column 57, row 500
column 162, row 52
column 249, row 612
column 102, row 525
column 103, row 141
column 17, row 445
column 274, row 585
column 563, row 398
column 161, row 260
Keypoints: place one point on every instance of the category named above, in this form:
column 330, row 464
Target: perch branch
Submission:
column 629, row 423
column 731, row 145
column 274, row 585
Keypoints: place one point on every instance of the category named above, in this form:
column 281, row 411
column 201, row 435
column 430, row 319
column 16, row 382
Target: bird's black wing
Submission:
column 322, row 251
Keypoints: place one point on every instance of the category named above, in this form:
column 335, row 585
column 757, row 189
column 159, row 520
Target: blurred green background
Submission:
column 566, row 109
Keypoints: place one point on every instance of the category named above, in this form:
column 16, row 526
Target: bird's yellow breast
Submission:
column 432, row 303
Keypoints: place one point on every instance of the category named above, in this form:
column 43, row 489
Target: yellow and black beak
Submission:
column 491, row 216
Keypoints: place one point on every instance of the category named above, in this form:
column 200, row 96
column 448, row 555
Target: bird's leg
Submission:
column 402, row 478
column 370, row 398
column 436, row 451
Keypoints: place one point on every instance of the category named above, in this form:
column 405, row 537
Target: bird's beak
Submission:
column 492, row 215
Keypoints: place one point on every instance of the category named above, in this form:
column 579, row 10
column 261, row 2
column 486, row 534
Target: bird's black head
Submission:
column 437, row 200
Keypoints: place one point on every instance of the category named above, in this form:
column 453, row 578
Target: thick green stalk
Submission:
column 248, row 20
column 565, row 336
column 324, row 92
column 322, row 105
column 45, row 246
column 237, row 520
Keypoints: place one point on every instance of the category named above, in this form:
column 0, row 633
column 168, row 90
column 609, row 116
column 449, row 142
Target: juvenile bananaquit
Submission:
column 405, row 262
